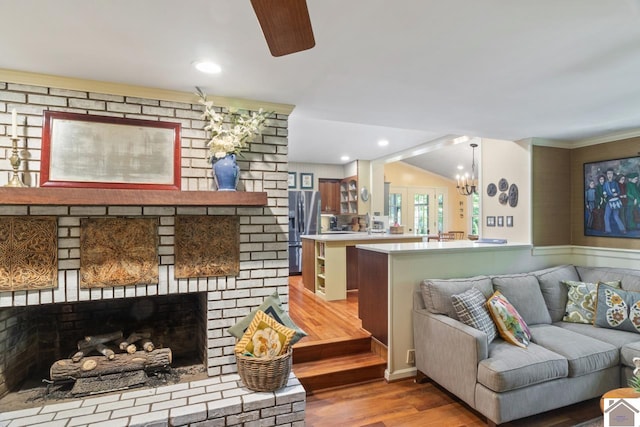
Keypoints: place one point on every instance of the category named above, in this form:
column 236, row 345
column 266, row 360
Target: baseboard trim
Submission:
column 399, row 374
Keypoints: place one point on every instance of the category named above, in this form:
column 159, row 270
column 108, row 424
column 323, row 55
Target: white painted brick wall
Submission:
column 263, row 250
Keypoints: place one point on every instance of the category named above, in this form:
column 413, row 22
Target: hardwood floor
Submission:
column 405, row 403
column 323, row 320
column 378, row 403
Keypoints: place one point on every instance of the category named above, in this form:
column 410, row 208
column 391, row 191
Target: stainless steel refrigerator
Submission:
column 304, row 218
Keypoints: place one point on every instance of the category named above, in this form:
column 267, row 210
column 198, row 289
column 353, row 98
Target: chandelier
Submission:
column 468, row 185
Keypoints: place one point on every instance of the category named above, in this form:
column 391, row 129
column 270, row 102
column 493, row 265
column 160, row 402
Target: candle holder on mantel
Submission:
column 15, row 180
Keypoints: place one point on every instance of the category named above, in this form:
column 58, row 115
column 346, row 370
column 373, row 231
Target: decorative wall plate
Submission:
column 364, row 194
column 491, row 190
column 503, row 198
column 503, row 184
column 513, row 195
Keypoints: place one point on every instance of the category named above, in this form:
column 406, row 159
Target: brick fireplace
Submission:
column 215, row 303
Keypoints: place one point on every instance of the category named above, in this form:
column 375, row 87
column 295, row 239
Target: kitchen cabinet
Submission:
column 335, row 260
column 329, row 195
column 349, row 195
column 352, row 268
column 373, row 268
column 308, row 264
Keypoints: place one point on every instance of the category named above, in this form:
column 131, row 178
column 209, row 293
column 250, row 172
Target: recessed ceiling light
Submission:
column 460, row 167
column 383, row 143
column 344, row 158
column 207, row 67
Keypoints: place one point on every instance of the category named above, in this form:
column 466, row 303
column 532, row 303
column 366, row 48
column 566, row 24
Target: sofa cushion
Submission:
column 630, row 278
column 614, row 337
column 509, row 367
column 471, row 309
column 628, row 352
column 584, row 354
column 523, row 291
column 553, row 290
column 581, row 301
column 617, row 309
column 511, row 327
column 437, row 292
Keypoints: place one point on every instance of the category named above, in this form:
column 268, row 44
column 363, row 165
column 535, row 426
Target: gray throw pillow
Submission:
column 472, row 310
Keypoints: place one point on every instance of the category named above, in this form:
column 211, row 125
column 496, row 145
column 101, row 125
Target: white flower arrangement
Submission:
column 233, row 137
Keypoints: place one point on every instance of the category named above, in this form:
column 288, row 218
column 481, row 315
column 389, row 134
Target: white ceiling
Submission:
column 408, row 71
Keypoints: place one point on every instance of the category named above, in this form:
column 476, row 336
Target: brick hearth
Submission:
column 218, row 401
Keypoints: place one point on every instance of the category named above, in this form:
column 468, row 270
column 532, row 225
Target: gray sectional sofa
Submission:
column 565, row 363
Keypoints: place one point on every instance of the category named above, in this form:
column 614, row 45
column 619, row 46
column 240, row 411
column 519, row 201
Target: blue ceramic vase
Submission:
column 226, row 173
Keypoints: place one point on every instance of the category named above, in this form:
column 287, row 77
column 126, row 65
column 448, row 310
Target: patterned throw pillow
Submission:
column 511, row 327
column 472, row 311
column 617, row 309
column 581, row 301
column 273, row 307
column 265, row 337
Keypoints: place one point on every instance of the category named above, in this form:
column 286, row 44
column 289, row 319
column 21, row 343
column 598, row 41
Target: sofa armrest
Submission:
column 448, row 351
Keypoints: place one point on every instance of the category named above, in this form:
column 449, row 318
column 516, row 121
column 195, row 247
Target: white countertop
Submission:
column 356, row 235
column 452, row 246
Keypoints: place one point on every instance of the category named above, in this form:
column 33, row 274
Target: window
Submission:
column 421, row 213
column 440, row 212
column 395, row 208
column 475, row 214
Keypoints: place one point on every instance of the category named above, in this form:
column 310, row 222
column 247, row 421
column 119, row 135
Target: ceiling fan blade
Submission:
column 286, row 25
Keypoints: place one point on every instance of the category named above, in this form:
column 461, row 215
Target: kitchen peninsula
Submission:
column 390, row 274
column 330, row 263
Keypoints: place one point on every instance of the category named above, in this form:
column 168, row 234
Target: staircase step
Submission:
column 340, row 370
column 318, row 350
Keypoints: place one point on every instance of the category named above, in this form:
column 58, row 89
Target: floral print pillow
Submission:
column 511, row 327
column 581, row 301
column 265, row 338
column 617, row 309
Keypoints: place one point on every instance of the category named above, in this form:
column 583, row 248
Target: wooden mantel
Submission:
column 119, row 197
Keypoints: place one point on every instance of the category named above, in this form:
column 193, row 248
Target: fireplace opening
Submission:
column 35, row 338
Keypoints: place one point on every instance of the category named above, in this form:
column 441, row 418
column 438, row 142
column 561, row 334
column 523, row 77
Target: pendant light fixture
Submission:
column 468, row 185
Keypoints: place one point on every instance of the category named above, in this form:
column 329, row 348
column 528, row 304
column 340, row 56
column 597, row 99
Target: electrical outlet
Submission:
column 411, row 357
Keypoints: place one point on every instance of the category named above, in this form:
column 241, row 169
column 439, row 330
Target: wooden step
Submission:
column 340, row 370
column 318, row 350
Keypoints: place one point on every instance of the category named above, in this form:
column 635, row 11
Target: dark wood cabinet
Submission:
column 329, row 195
column 352, row 268
column 308, row 264
column 373, row 300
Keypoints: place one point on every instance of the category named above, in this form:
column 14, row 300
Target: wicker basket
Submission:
column 396, row 229
column 264, row 374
